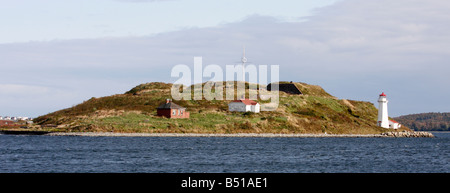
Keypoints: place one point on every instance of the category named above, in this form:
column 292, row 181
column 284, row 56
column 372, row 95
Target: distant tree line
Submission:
column 426, row 121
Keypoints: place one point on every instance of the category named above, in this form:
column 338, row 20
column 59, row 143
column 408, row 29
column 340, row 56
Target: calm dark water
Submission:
column 219, row 154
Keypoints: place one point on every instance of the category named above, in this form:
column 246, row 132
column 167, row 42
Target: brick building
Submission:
column 172, row 110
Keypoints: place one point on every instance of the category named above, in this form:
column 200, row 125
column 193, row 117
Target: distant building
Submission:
column 172, row 110
column 244, row 105
column 23, row 118
column 394, row 124
column 16, row 118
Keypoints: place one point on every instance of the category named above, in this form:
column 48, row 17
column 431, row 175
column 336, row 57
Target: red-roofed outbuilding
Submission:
column 244, row 105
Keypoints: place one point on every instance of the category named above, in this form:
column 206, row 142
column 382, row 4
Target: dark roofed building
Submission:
column 171, row 110
column 289, row 88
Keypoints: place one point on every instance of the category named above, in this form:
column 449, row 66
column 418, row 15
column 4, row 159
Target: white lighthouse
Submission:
column 383, row 120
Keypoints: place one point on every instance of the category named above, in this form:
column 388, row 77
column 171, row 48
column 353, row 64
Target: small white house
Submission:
column 394, row 124
column 244, row 105
column 23, row 118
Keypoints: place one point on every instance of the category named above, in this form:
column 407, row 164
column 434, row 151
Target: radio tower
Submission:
column 244, row 60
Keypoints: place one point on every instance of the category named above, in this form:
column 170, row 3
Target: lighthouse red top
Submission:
column 382, row 94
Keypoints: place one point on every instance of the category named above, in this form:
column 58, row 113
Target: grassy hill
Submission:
column 316, row 111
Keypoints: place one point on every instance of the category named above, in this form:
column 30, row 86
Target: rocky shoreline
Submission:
column 111, row 134
column 408, row 134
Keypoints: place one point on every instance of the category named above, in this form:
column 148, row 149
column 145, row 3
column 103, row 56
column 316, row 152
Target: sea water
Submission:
column 28, row 153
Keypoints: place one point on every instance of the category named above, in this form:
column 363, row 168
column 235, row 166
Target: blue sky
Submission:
column 56, row 54
column 45, row 20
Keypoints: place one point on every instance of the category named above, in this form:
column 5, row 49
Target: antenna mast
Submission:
column 244, row 60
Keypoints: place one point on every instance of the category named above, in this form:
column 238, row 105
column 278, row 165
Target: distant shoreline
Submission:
column 266, row 135
column 107, row 134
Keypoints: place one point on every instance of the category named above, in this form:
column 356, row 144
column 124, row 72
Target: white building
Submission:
column 383, row 120
column 23, row 118
column 16, row 118
column 394, row 124
column 244, row 105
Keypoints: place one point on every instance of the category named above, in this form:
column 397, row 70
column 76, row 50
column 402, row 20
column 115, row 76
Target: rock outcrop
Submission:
column 408, row 134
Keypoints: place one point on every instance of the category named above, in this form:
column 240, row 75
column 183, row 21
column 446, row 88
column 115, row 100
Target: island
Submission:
column 303, row 110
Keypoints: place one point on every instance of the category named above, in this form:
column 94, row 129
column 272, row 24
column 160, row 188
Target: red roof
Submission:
column 382, row 94
column 246, row 101
column 393, row 121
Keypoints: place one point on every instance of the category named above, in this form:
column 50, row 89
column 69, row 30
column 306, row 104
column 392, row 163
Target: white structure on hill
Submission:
column 394, row 124
column 383, row 120
column 244, row 105
column 244, row 60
